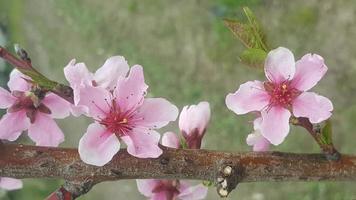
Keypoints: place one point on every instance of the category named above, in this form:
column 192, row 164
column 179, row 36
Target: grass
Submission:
column 189, row 56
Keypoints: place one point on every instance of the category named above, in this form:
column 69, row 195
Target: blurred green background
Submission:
column 189, row 56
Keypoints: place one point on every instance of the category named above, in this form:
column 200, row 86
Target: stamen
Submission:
column 124, row 121
column 284, row 86
column 98, row 107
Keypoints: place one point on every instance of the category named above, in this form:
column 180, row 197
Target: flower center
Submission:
column 30, row 102
column 118, row 122
column 281, row 94
column 170, row 187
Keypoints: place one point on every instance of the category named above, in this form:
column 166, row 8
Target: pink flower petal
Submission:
column 280, row 65
column 196, row 192
column 59, row 107
column 309, row 70
column 17, row 81
column 10, row 183
column 6, row 99
column 146, row 186
column 255, row 138
column 156, row 113
column 79, row 110
column 113, row 68
column 45, row 131
column 161, row 196
column 313, row 106
column 275, row 124
column 171, row 140
column 130, row 91
column 77, row 75
column 143, row 143
column 257, row 123
column 98, row 146
column 97, row 100
column 194, row 117
column 12, row 125
column 250, row 96
column 258, row 142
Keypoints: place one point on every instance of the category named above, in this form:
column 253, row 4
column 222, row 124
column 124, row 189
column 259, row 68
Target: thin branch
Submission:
column 20, row 161
column 328, row 149
column 13, row 60
column 24, row 65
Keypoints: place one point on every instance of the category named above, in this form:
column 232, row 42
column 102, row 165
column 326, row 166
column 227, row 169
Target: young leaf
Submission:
column 240, row 30
column 253, row 57
column 249, row 33
column 256, row 30
column 326, row 133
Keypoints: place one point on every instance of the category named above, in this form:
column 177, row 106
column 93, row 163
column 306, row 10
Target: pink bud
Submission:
column 193, row 121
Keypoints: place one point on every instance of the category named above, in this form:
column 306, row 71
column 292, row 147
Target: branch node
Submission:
column 223, row 192
column 228, row 178
column 22, row 53
column 227, row 171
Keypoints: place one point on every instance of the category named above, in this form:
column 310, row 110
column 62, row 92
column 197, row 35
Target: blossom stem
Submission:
column 24, row 65
column 328, row 149
column 21, row 161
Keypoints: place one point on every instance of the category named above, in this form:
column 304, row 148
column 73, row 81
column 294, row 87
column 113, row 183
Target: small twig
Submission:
column 328, row 149
column 24, row 65
column 13, row 60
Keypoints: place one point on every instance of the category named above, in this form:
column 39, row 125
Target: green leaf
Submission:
column 249, row 33
column 253, row 57
column 240, row 30
column 256, row 30
column 326, row 133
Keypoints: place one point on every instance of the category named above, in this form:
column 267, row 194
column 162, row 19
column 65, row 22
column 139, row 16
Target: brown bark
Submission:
column 21, row 161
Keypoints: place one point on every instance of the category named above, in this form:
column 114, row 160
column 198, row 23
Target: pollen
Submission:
column 284, row 86
column 124, row 121
column 118, row 122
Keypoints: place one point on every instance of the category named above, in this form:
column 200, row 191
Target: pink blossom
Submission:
column 171, row 189
column 283, row 94
column 106, row 76
column 193, row 121
column 123, row 113
column 171, row 140
column 10, row 183
column 29, row 108
column 256, row 139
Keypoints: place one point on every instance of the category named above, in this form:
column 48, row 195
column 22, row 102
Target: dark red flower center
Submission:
column 117, row 121
column 282, row 94
column 30, row 102
column 170, row 187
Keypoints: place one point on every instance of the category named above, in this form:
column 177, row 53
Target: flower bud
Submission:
column 193, row 121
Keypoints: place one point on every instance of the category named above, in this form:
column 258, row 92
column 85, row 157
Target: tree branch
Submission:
column 24, row 65
column 20, row 161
